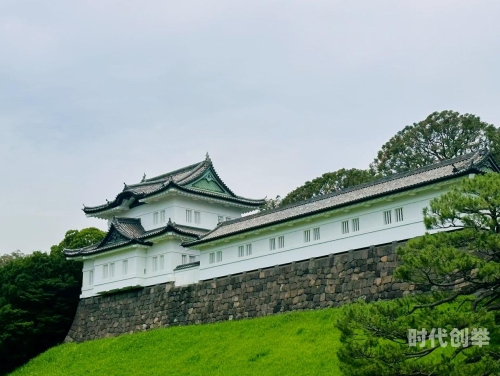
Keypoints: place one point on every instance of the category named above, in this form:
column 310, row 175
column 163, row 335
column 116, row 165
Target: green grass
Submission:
column 299, row 343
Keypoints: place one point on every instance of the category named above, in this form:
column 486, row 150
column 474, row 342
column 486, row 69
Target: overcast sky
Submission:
column 96, row 93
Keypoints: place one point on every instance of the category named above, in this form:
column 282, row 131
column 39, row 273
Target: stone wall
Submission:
column 309, row 284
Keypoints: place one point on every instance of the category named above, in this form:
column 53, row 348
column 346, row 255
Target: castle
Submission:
column 186, row 226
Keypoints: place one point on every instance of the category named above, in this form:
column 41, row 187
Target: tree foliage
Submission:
column 78, row 239
column 328, row 183
column 38, row 299
column 10, row 256
column 271, row 203
column 462, row 271
column 442, row 135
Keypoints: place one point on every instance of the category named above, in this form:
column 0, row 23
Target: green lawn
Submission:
column 299, row 343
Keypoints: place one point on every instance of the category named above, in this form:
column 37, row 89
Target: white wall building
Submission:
column 149, row 222
column 186, row 225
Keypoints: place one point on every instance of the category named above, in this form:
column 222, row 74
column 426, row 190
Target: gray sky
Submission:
column 95, row 93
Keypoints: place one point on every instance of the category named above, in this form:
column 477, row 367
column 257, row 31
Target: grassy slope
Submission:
column 300, row 343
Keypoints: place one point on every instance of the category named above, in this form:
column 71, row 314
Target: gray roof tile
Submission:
column 426, row 175
column 179, row 179
column 126, row 231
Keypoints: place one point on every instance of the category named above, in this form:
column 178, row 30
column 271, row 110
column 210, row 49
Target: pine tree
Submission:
column 461, row 271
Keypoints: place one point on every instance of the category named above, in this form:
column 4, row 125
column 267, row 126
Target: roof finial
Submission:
column 169, row 221
column 455, row 169
column 107, row 201
column 143, row 178
column 207, row 158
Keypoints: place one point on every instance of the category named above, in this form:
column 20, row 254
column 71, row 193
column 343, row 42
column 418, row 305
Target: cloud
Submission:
column 95, row 93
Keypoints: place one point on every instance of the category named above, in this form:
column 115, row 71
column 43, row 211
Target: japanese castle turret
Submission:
column 187, row 225
column 148, row 224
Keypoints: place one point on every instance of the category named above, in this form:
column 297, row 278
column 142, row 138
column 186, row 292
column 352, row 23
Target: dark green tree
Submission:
column 10, row 256
column 461, row 271
column 38, row 298
column 328, row 183
column 78, row 239
column 442, row 135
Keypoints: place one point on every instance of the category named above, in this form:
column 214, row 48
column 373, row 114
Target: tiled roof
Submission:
column 127, row 231
column 172, row 226
column 179, row 179
column 129, row 227
column 399, row 182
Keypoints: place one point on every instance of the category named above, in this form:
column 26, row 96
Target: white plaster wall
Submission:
column 140, row 267
column 372, row 231
column 209, row 212
column 172, row 252
column 135, row 270
column 145, row 213
column 187, row 276
column 175, row 208
column 88, row 267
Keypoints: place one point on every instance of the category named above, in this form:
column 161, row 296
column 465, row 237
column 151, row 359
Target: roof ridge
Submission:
column 382, row 180
column 191, row 227
column 142, row 184
column 204, row 166
column 166, row 174
column 180, row 179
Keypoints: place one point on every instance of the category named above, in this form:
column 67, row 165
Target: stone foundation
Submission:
column 309, row 284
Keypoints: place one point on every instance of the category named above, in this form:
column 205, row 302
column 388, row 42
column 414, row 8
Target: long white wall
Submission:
column 156, row 264
column 372, row 231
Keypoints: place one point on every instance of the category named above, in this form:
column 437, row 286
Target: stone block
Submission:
column 311, row 284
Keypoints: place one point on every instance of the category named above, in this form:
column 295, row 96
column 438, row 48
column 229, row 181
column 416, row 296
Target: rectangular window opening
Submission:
column 212, row 258
column 307, row 236
column 281, row 241
column 125, row 267
column 272, row 244
column 155, row 218
column 241, row 251
column 197, row 217
column 91, row 277
column 162, row 262
column 220, row 218
column 192, row 259
column 345, row 227
column 219, row 256
column 249, row 249
column 387, row 217
column 184, row 259
column 316, row 234
column 189, row 215
column 105, row 271
column 155, row 263
column 355, row 224
column 399, row 214
column 162, row 216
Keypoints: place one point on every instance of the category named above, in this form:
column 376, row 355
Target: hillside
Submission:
column 298, row 343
